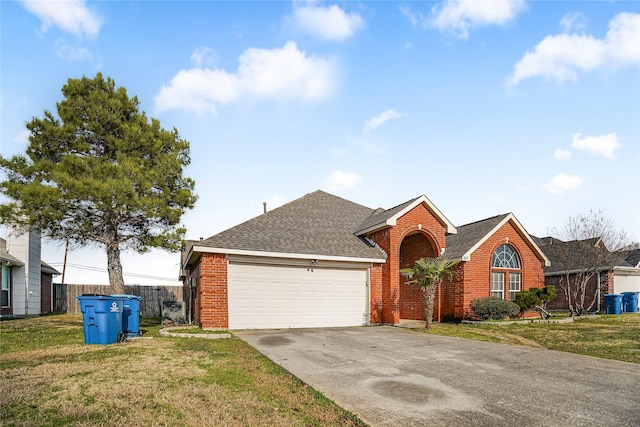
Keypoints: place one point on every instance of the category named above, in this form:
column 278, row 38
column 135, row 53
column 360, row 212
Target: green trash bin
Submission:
column 102, row 318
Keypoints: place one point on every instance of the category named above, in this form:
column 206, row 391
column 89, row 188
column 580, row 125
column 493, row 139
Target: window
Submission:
column 497, row 285
column 5, row 285
column 514, row 285
column 505, row 259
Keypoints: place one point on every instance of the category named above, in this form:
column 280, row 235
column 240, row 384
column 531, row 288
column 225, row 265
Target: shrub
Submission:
column 535, row 297
column 494, row 308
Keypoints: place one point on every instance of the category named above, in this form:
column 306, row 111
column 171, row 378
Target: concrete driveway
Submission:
column 392, row 376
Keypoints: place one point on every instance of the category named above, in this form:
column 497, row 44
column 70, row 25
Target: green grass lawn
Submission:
column 608, row 336
column 49, row 377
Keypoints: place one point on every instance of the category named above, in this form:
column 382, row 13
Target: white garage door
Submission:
column 626, row 284
column 265, row 296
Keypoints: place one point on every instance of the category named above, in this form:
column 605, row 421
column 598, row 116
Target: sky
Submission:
column 486, row 107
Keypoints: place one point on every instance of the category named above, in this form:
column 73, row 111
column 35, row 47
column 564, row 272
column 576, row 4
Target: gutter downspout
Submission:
column 598, row 291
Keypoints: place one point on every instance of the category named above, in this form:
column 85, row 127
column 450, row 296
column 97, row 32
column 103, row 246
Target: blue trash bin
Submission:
column 130, row 314
column 613, row 303
column 630, row 302
column 102, row 318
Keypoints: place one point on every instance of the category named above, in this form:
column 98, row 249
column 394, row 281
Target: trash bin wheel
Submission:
column 122, row 337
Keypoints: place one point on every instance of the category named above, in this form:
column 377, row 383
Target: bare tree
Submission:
column 587, row 245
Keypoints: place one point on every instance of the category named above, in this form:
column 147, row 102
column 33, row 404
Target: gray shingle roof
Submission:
column 470, row 234
column 575, row 255
column 315, row 224
column 380, row 215
column 6, row 256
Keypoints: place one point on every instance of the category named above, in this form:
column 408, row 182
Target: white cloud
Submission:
column 563, row 182
column 71, row 54
column 561, row 57
column 330, row 23
column 381, row 118
column 459, row 16
column 22, row 137
column 281, row 73
column 340, row 180
column 573, row 21
column 604, row 145
column 71, row 16
column 561, row 154
column 203, row 56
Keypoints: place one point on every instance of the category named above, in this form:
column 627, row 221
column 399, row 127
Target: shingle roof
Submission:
column 633, row 258
column 6, row 256
column 315, row 224
column 380, row 215
column 470, row 234
column 578, row 255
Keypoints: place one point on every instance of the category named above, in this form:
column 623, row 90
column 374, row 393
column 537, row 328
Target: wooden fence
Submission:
column 150, row 305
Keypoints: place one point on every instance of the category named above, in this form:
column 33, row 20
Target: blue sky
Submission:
column 485, row 107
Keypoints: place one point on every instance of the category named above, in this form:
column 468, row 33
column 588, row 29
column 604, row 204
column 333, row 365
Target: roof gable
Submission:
column 318, row 225
column 471, row 236
column 388, row 218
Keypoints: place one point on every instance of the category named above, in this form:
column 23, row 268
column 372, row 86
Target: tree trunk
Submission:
column 429, row 294
column 114, row 268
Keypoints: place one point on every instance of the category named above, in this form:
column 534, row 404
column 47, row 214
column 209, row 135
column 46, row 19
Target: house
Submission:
column 610, row 273
column 321, row 260
column 26, row 279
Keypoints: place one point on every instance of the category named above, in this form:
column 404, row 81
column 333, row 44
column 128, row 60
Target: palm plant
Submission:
column 429, row 273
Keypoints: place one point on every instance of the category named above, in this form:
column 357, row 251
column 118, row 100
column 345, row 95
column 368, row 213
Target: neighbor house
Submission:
column 26, row 279
column 321, row 260
column 611, row 273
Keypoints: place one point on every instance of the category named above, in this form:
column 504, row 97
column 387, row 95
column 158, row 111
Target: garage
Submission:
column 265, row 296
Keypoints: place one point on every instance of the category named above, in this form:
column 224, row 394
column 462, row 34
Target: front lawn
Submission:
column 608, row 336
column 50, row 377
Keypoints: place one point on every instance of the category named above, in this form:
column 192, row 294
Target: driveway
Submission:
column 390, row 376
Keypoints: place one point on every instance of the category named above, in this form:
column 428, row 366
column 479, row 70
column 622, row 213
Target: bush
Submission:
column 535, row 297
column 494, row 308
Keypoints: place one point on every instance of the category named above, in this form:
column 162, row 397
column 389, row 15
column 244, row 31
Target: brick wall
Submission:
column 417, row 221
column 412, row 248
column 45, row 292
column 560, row 301
column 212, row 304
column 477, row 271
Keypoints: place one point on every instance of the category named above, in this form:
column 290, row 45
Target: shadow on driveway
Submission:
column 395, row 377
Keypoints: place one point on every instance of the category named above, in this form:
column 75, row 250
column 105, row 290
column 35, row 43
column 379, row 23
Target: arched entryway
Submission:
column 413, row 247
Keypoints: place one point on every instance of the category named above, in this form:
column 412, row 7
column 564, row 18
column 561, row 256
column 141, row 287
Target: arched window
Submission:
column 505, row 265
column 505, row 257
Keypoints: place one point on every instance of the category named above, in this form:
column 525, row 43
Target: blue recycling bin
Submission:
column 630, row 302
column 102, row 318
column 130, row 314
column 613, row 303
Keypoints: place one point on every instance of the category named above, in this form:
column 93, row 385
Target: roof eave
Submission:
column 393, row 221
column 206, row 249
column 523, row 233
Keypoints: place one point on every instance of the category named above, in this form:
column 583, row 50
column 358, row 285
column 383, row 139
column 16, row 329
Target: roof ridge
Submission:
column 486, row 219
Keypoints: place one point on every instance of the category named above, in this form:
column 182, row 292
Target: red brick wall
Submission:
column 412, row 248
column 375, row 283
column 560, row 301
column 212, row 303
column 45, row 292
column 477, row 272
column 418, row 220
